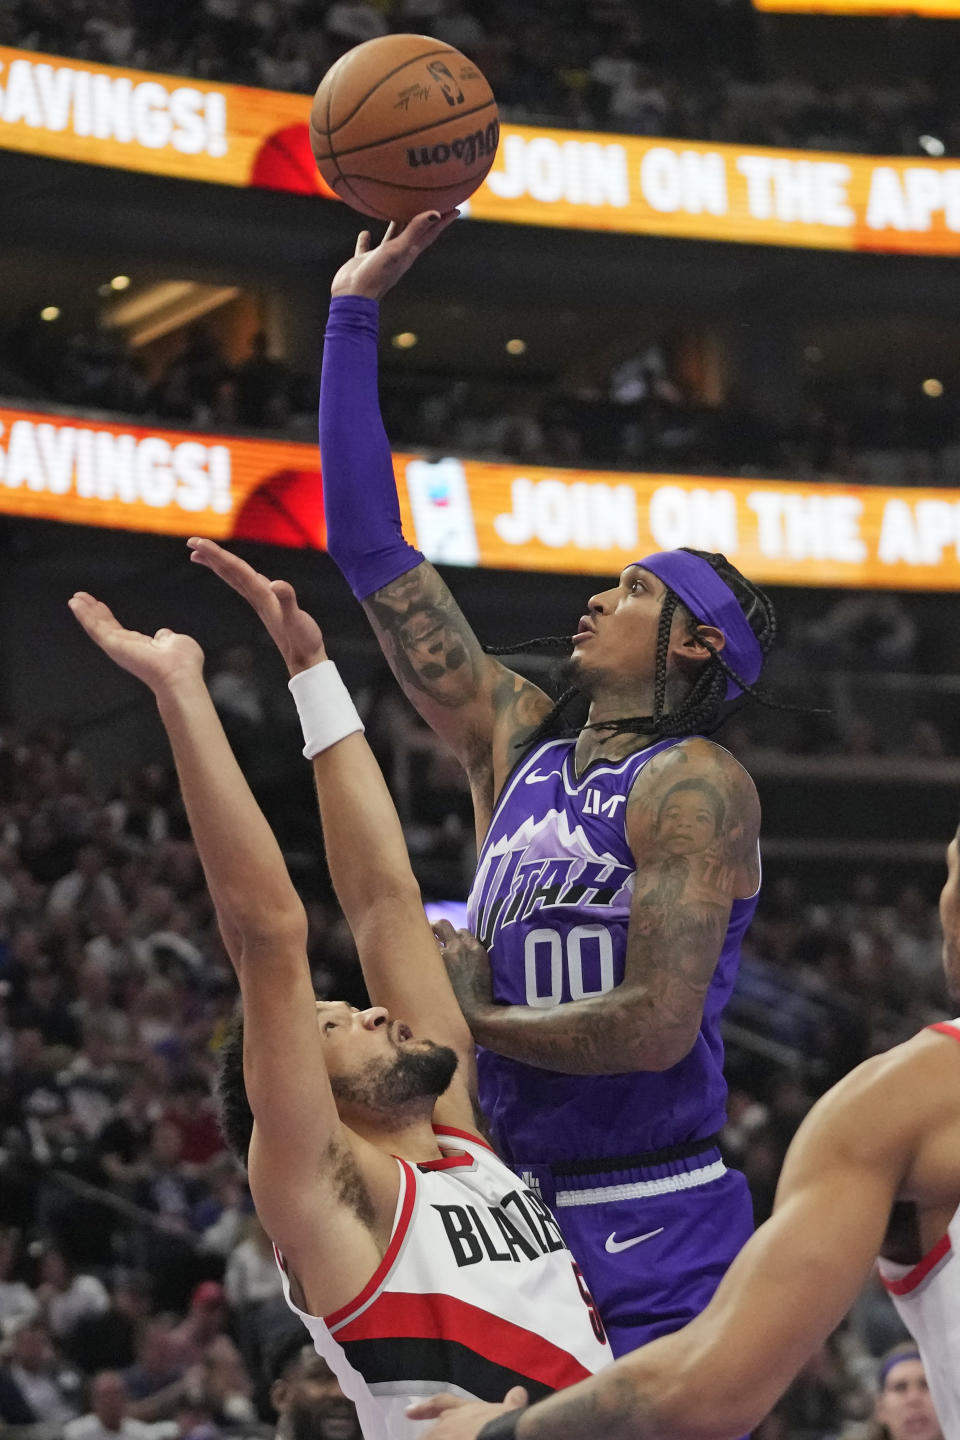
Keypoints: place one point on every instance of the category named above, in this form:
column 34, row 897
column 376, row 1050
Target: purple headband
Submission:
column 710, row 601
column 894, row 1361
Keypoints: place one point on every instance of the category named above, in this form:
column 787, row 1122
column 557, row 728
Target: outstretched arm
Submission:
column 784, row 1293
column 474, row 703
column 692, row 821
column 265, row 925
column 366, row 850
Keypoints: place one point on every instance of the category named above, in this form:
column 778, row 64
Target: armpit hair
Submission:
column 347, row 1181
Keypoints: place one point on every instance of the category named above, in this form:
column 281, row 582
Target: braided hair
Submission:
column 702, row 710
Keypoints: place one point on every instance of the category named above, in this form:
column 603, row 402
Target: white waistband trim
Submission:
column 640, row 1189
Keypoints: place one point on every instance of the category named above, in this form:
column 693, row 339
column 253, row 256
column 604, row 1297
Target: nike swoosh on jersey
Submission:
column 614, row 1246
column 535, row 778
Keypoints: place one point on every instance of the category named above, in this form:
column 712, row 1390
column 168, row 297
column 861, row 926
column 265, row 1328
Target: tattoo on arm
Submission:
column 461, row 692
column 607, row 1405
column 427, row 639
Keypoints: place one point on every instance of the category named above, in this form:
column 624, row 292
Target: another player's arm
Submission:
column 679, row 915
column 380, row 898
column 366, row 850
column 299, row 1154
column 788, row 1288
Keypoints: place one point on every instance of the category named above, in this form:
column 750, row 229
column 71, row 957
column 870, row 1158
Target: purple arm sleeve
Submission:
column 364, row 534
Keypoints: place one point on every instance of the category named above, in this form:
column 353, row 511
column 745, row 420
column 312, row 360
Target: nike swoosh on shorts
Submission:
column 614, row 1246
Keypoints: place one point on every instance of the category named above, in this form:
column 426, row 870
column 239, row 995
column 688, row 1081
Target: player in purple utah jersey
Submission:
column 618, row 865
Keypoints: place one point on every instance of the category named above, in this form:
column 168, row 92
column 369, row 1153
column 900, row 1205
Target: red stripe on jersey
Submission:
column 443, row 1317
column 921, row 1270
column 946, row 1027
column 386, row 1264
column 463, row 1135
column 448, row 1162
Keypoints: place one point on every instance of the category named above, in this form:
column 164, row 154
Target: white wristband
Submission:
column 327, row 714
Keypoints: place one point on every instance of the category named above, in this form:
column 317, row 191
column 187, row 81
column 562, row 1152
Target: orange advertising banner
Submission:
column 464, row 512
column 574, row 179
column 935, row 9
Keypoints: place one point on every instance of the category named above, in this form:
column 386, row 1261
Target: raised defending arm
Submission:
column 366, row 850
column 296, row 1121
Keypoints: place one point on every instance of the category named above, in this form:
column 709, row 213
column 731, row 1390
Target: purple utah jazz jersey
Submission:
column 551, row 902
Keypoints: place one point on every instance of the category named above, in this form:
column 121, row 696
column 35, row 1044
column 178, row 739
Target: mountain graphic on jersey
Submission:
column 545, row 865
column 551, row 902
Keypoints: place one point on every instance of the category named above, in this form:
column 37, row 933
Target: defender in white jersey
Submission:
column 352, row 1128
column 873, row 1170
column 476, row 1285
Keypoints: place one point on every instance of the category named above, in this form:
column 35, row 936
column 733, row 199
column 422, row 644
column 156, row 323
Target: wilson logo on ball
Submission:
column 467, row 148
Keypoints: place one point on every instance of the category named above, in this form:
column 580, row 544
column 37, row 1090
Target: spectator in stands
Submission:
column 251, row 1278
column 156, row 1380
column 91, row 1082
column 204, row 1324
column 904, row 1409
column 221, row 1216
column 99, row 1342
column 124, row 1142
column 192, row 1110
column 36, row 1385
column 108, row 1417
column 44, row 1006
column 86, row 885
column 65, row 1296
column 306, row 1394
column 165, row 1187
column 17, row 1300
column 93, row 1003
column 253, row 1288
column 228, row 1388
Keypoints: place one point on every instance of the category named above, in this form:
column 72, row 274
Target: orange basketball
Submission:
column 403, row 124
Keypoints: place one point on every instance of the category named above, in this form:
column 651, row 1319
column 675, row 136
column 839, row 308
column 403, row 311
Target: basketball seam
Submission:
column 424, row 55
column 417, row 130
column 398, row 185
column 332, row 155
column 380, row 215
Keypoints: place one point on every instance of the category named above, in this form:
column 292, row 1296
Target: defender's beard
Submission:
column 385, row 1086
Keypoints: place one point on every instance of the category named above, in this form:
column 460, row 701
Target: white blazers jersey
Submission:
column 927, row 1295
column 476, row 1292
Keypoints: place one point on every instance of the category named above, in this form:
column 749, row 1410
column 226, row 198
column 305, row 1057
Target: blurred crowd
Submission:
column 639, row 415
column 138, row 1292
column 93, row 368
column 682, row 68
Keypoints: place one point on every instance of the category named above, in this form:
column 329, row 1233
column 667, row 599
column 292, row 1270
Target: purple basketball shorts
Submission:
column 653, row 1243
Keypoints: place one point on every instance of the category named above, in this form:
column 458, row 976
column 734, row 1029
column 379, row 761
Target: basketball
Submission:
column 403, row 124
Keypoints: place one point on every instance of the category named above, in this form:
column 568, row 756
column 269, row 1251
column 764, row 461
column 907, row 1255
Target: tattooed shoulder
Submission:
column 693, row 800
